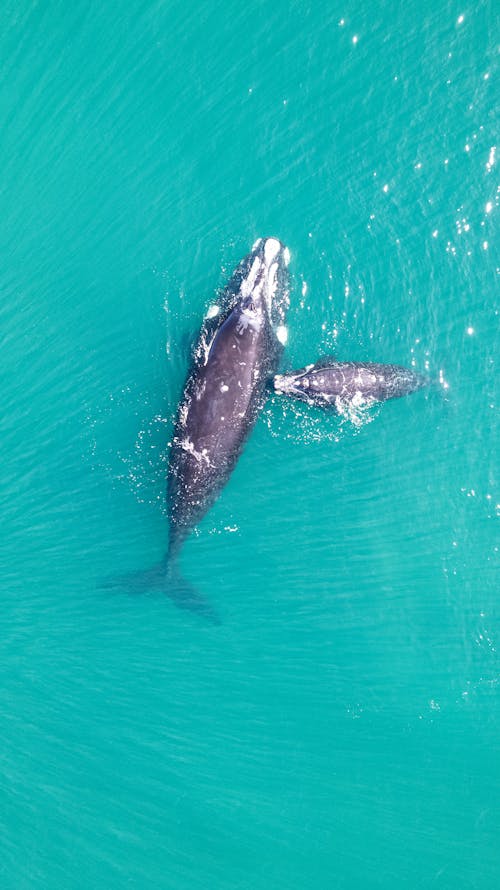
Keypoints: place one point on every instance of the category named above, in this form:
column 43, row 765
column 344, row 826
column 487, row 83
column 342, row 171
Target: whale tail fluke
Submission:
column 164, row 576
column 140, row 581
column 185, row 596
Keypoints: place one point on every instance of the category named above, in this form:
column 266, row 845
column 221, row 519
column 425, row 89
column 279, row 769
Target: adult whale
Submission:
column 236, row 356
column 234, row 360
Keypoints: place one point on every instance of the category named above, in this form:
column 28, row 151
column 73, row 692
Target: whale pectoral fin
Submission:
column 165, row 577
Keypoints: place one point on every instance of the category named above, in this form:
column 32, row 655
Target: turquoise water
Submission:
column 340, row 728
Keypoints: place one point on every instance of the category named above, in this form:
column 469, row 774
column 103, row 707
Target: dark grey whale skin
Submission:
column 237, row 354
column 234, row 360
column 329, row 383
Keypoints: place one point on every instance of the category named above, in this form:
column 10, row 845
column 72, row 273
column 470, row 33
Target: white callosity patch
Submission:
column 271, row 275
column 271, row 249
column 248, row 318
column 260, row 285
column 248, row 283
column 200, row 456
column 287, row 383
column 262, row 280
column 272, row 283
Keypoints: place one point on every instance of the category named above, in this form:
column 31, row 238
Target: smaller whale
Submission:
column 331, row 384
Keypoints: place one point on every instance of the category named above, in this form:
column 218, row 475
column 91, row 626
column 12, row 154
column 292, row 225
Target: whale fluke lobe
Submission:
column 328, row 383
column 138, row 581
column 164, row 577
column 185, row 596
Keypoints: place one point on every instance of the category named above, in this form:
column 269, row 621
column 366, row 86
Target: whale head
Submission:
column 264, row 283
column 296, row 384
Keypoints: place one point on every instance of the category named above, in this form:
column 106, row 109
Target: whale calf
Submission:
column 330, row 384
column 234, row 360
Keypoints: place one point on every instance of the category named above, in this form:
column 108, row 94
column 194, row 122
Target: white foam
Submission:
column 213, row 310
column 282, row 334
column 183, row 413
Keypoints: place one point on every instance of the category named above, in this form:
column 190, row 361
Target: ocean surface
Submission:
column 340, row 728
